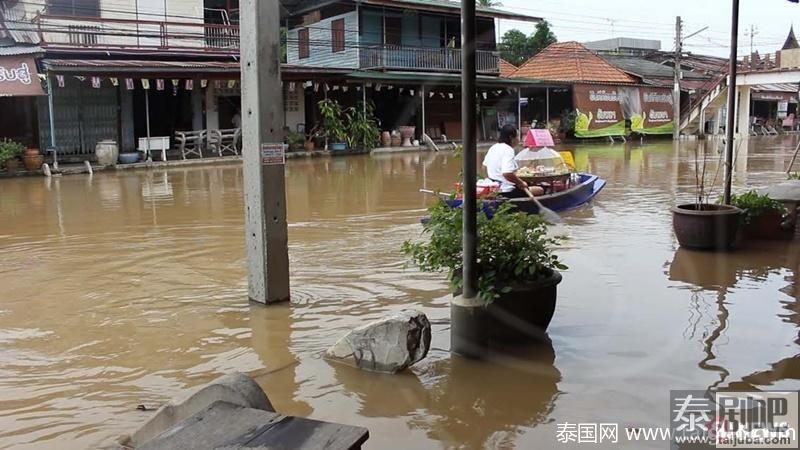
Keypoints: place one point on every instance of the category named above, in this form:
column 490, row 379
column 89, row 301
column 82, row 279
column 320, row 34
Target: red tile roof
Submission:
column 572, row 62
column 506, row 68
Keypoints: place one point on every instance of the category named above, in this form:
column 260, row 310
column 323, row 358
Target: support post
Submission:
column 266, row 236
column 468, row 121
column 701, row 119
column 52, row 120
column 717, row 121
column 424, row 123
column 547, row 106
column 197, row 108
column 676, row 93
column 519, row 109
column 147, row 122
column 743, row 111
column 731, row 102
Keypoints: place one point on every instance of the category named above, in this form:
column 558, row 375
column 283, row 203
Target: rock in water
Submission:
column 388, row 345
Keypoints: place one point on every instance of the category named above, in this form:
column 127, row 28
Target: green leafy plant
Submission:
column 794, row 176
column 295, row 140
column 362, row 126
column 513, row 248
column 567, row 124
column 10, row 149
column 754, row 204
column 333, row 118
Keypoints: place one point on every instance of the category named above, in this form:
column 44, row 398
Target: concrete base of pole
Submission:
column 469, row 328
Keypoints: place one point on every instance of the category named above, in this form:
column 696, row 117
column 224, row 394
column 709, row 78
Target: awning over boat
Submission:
column 18, row 77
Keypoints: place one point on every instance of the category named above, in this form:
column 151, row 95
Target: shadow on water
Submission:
column 451, row 402
column 726, row 273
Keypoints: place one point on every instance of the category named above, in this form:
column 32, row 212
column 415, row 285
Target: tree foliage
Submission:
column 517, row 48
column 488, row 3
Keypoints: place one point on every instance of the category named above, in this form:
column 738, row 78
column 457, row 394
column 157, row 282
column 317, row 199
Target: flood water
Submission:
column 129, row 288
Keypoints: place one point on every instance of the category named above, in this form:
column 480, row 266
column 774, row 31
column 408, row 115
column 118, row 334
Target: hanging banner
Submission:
column 656, row 114
column 598, row 111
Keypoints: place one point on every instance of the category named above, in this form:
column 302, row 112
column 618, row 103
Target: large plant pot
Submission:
column 128, row 158
column 308, row 146
column 518, row 316
column 386, row 139
column 12, row 165
column 709, row 227
column 337, row 146
column 767, row 226
column 32, row 161
column 31, row 152
column 407, row 133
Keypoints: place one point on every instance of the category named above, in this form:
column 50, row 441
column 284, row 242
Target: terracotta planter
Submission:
column 767, row 226
column 518, row 316
column 710, row 227
column 396, row 141
column 33, row 162
column 386, row 139
column 309, row 146
column 31, row 152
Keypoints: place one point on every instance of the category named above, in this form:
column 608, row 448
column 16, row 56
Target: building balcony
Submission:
column 424, row 59
column 103, row 34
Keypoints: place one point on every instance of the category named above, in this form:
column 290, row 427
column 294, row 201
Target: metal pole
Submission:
column 364, row 98
column 266, row 237
column 470, row 155
column 519, row 108
column 52, row 121
column 424, row 123
column 676, row 93
column 726, row 198
column 147, row 121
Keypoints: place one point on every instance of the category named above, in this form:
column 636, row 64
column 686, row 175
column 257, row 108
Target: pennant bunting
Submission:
column 80, row 78
column 450, row 94
column 358, row 88
column 189, row 85
column 401, row 90
column 308, row 84
column 231, row 84
column 316, row 87
column 335, row 87
column 412, row 92
column 485, row 95
column 291, row 86
column 129, row 84
column 60, row 80
column 159, row 84
column 96, row 82
column 203, row 84
column 145, row 83
column 345, row 88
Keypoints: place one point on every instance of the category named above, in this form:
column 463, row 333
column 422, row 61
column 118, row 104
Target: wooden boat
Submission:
column 587, row 187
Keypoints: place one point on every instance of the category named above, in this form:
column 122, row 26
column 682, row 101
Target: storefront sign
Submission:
column 598, row 111
column 18, row 77
column 775, row 96
column 656, row 114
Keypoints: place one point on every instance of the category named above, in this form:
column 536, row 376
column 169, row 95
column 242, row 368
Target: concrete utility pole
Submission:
column 263, row 154
column 726, row 199
column 676, row 93
column 469, row 152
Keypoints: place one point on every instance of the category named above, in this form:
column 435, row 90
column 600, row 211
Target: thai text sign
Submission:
column 18, row 77
column 656, row 115
column 272, row 155
column 598, row 111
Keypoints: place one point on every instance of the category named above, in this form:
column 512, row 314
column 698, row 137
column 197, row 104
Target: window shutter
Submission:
column 302, row 48
column 337, row 35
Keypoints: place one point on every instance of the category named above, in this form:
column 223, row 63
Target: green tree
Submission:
column 514, row 47
column 517, row 48
column 541, row 38
column 488, row 3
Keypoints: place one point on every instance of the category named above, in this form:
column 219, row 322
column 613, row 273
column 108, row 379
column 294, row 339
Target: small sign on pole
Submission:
column 272, row 155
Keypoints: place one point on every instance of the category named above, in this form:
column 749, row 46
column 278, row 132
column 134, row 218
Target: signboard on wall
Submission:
column 656, row 114
column 598, row 111
column 18, row 77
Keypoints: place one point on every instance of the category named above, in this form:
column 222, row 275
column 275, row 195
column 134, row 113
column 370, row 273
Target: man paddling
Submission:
column 502, row 167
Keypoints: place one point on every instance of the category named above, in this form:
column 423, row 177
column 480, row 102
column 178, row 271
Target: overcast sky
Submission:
column 586, row 20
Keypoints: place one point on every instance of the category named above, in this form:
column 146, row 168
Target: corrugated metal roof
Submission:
column 15, row 50
column 572, row 62
column 648, row 69
column 186, row 68
column 15, row 25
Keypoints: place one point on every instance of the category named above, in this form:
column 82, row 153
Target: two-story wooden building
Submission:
column 126, row 69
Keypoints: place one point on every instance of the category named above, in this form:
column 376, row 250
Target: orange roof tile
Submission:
column 506, row 68
column 571, row 62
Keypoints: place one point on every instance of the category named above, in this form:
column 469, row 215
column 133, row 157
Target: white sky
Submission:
column 588, row 20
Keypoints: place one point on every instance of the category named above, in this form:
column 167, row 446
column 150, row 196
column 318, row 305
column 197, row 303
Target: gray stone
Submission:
column 388, row 345
column 235, row 388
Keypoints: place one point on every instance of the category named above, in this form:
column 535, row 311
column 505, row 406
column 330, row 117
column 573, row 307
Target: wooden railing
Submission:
column 105, row 34
column 426, row 59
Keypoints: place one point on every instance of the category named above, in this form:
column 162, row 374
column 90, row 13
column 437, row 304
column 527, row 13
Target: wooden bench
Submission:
column 227, row 140
column 190, row 142
column 228, row 426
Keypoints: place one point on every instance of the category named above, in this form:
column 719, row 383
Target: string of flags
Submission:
column 317, row 86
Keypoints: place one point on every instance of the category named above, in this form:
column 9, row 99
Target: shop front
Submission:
column 20, row 87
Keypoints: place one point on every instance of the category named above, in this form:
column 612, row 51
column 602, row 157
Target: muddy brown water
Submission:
column 129, row 288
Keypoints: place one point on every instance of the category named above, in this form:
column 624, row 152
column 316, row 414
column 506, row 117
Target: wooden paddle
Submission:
column 548, row 214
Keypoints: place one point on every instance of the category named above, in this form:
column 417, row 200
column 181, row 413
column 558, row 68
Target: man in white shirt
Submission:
column 502, row 167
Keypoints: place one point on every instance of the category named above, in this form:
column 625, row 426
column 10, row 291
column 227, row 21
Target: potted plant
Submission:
column 9, row 154
column 333, row 123
column 763, row 217
column 703, row 225
column 363, row 131
column 516, row 270
column 32, row 159
column 295, row 140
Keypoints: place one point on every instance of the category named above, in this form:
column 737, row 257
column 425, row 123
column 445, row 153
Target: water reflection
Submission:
column 453, row 402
